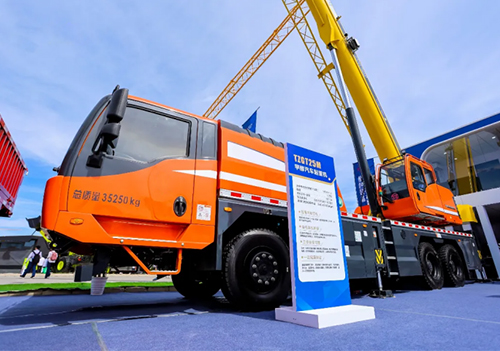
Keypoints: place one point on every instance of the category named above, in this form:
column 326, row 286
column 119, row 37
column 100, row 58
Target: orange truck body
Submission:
column 12, row 171
column 206, row 202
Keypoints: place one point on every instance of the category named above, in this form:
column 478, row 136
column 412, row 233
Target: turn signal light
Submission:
column 228, row 209
column 415, row 234
column 76, row 221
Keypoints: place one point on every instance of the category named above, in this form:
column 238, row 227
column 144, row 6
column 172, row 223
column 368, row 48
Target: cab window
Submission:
column 208, row 142
column 429, row 178
column 146, row 137
column 417, row 177
column 393, row 181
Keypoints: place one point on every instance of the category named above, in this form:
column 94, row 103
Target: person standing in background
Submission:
column 51, row 259
column 34, row 258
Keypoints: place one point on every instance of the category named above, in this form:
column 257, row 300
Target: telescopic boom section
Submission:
column 371, row 113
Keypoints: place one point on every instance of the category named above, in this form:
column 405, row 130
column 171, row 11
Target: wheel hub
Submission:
column 431, row 263
column 264, row 269
column 455, row 266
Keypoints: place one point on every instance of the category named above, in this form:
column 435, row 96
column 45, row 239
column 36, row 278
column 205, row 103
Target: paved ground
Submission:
column 14, row 278
column 450, row 319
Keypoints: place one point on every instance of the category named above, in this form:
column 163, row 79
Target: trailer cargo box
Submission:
column 12, row 171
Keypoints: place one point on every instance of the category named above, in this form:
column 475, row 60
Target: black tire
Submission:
column 62, row 265
column 196, row 285
column 256, row 274
column 432, row 270
column 453, row 267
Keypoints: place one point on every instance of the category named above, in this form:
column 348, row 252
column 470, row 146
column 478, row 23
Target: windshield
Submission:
column 147, row 137
column 393, row 181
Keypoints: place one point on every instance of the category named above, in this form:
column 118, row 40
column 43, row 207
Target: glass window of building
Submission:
column 469, row 163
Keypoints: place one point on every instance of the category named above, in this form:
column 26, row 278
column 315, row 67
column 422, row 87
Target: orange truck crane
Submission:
column 405, row 187
column 205, row 201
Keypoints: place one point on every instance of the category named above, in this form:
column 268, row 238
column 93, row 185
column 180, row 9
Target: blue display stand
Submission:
column 320, row 281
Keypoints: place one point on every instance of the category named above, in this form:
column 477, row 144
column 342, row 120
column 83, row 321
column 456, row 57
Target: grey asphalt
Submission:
column 449, row 319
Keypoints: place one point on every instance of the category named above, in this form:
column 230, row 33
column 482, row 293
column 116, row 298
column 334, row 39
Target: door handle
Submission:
column 418, row 195
column 180, row 206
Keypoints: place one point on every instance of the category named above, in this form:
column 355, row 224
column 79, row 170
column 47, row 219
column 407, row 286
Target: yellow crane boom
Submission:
column 350, row 72
column 333, row 36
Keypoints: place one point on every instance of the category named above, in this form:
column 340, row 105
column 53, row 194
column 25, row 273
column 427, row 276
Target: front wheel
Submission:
column 454, row 274
column 432, row 269
column 256, row 270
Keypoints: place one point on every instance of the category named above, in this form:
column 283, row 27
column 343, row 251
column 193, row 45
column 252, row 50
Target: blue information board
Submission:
column 318, row 263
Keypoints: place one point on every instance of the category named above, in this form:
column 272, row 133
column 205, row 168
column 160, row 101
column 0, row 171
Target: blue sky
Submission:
column 433, row 65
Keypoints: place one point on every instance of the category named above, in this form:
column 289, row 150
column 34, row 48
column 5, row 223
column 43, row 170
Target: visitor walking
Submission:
column 34, row 258
column 51, row 259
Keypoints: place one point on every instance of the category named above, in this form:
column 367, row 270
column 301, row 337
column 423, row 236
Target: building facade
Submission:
column 467, row 161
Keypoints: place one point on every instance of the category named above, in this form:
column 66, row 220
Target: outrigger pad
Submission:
column 381, row 294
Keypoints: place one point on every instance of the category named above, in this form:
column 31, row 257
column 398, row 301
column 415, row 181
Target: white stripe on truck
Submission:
column 246, row 154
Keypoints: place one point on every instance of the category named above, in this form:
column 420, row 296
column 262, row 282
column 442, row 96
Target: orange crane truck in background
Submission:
column 405, row 187
column 205, row 201
column 12, row 171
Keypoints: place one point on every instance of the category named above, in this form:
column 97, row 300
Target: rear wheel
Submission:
column 454, row 273
column 196, row 285
column 256, row 270
column 432, row 269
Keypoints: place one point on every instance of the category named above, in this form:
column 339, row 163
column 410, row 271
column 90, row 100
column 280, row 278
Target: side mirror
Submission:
column 109, row 134
column 110, row 131
column 117, row 106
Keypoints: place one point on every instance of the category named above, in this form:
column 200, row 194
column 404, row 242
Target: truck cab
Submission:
column 408, row 191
